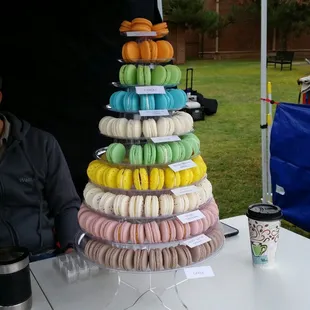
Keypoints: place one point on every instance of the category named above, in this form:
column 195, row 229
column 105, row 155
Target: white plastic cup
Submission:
column 264, row 228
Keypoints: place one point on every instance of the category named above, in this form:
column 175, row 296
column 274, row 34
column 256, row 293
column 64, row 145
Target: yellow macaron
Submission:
column 157, row 179
column 186, row 177
column 124, row 179
column 111, row 177
column 141, row 179
column 172, row 179
column 197, row 172
column 99, row 175
column 92, row 168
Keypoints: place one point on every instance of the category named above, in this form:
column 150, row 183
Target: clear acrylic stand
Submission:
column 149, row 289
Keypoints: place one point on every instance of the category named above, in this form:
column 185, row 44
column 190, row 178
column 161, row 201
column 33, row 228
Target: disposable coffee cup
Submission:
column 264, row 227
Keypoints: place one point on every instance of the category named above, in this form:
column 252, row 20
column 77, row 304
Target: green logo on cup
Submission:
column 259, row 249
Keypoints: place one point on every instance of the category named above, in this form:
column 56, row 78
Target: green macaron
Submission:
column 182, row 151
column 175, row 74
column 194, row 145
column 144, row 75
column 159, row 75
column 149, row 154
column 163, row 153
column 176, row 152
column 191, row 136
column 136, row 155
column 116, row 153
column 128, row 75
column 187, row 148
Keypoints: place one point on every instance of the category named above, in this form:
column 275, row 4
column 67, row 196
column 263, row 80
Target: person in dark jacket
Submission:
column 38, row 201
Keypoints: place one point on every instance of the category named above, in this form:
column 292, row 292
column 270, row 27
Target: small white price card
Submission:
column 191, row 216
column 165, row 139
column 198, row 240
column 182, row 165
column 199, row 272
column 154, row 112
column 185, row 190
column 141, row 34
column 146, row 90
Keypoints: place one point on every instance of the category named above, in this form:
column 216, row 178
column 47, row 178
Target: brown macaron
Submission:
column 196, row 253
column 167, row 258
column 152, row 260
column 107, row 258
column 174, row 257
column 144, row 262
column 101, row 253
column 128, row 259
column 159, row 259
column 184, row 256
column 121, row 258
column 114, row 258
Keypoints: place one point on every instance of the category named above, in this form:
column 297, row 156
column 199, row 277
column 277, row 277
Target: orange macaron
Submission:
column 125, row 26
column 165, row 50
column 161, row 33
column 131, row 51
column 160, row 26
column 148, row 50
column 144, row 21
column 141, row 24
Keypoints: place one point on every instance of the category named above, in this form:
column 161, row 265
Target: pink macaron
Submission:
column 172, row 229
column 156, row 232
column 97, row 224
column 109, row 230
column 91, row 218
column 148, row 233
column 179, row 227
column 196, row 227
column 125, row 232
column 122, row 232
column 137, row 233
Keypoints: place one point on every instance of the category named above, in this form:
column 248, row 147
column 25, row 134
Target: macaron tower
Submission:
column 148, row 205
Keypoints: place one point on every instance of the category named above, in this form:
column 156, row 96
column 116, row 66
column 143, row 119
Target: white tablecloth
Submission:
column 237, row 285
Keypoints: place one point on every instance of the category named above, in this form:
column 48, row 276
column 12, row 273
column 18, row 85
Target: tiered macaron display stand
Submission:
column 148, row 207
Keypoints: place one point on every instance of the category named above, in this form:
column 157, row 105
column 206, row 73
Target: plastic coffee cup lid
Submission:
column 264, row 212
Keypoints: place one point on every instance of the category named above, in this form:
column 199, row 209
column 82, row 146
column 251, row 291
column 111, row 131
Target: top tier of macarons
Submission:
column 144, row 25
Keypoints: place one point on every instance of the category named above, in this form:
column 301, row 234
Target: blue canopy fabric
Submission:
column 290, row 162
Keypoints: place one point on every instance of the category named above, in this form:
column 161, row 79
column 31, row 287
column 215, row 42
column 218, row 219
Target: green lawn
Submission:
column 231, row 139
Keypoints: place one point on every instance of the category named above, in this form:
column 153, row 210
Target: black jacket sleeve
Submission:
column 61, row 195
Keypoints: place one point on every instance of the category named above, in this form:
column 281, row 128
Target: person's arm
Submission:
column 61, row 195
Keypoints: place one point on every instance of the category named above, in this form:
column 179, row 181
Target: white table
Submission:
column 237, row 285
column 39, row 301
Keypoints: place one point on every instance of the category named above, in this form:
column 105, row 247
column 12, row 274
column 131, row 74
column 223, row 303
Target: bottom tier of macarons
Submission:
column 152, row 259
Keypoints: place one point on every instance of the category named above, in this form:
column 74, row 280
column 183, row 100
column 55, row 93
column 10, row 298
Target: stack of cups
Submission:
column 264, row 227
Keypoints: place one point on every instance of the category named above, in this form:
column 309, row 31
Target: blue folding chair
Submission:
column 290, row 162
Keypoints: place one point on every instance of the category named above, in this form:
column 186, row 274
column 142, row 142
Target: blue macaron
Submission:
column 161, row 102
column 131, row 102
column 179, row 98
column 164, row 101
column 147, row 102
column 116, row 101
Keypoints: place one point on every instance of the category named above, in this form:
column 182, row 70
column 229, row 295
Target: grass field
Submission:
column 231, row 139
